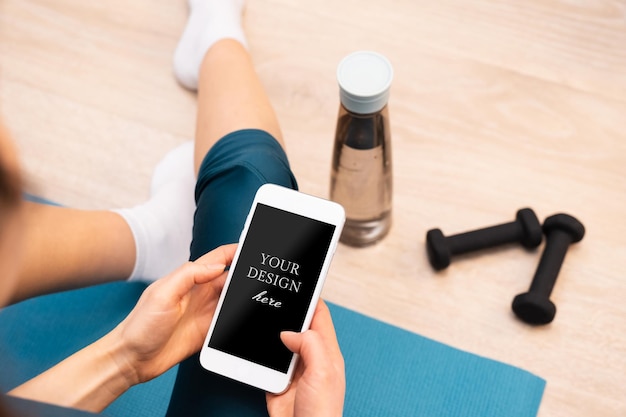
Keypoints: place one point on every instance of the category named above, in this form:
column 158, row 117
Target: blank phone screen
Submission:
column 272, row 285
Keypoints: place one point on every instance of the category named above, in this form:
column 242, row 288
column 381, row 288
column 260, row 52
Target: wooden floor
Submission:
column 495, row 105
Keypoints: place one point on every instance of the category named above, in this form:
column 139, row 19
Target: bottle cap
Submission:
column 364, row 79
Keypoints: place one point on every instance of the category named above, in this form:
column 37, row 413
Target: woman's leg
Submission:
column 230, row 98
column 238, row 149
column 67, row 248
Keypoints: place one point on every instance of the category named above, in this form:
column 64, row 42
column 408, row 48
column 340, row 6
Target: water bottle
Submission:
column 361, row 177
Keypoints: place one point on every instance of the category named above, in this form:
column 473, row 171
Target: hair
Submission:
column 10, row 197
column 10, row 181
column 10, row 189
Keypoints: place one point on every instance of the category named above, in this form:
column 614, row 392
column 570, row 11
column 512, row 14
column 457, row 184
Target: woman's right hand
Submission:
column 319, row 384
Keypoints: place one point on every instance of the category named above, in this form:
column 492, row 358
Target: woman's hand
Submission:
column 319, row 384
column 172, row 317
column 168, row 324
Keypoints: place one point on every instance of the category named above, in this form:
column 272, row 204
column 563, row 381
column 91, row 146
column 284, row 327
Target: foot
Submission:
column 162, row 226
column 209, row 21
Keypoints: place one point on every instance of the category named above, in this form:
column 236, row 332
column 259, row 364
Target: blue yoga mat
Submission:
column 389, row 371
column 393, row 372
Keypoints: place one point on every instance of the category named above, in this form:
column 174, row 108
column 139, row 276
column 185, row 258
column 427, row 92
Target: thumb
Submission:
column 211, row 272
column 292, row 340
column 309, row 345
column 181, row 281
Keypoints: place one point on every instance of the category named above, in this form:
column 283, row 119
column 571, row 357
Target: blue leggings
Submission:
column 40, row 332
column 230, row 175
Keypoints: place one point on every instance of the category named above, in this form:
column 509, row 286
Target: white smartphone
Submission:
column 273, row 284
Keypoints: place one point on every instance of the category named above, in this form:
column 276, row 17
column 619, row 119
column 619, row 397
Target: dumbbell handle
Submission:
column 484, row 238
column 550, row 263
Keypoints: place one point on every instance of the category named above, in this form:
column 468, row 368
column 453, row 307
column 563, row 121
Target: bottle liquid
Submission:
column 361, row 177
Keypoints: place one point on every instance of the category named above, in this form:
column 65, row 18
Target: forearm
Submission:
column 89, row 380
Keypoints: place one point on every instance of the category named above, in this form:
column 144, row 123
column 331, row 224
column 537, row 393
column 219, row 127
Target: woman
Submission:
column 238, row 147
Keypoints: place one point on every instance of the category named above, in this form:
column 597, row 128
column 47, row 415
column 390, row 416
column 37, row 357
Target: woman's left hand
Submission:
column 172, row 317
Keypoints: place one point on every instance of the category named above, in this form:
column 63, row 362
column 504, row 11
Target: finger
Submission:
column 181, row 281
column 323, row 324
column 316, row 360
column 292, row 340
column 221, row 255
column 205, row 269
column 309, row 345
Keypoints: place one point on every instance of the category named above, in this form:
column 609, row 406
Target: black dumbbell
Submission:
column 526, row 229
column 534, row 306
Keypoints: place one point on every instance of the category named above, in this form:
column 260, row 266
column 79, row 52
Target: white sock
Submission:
column 209, row 21
column 162, row 226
